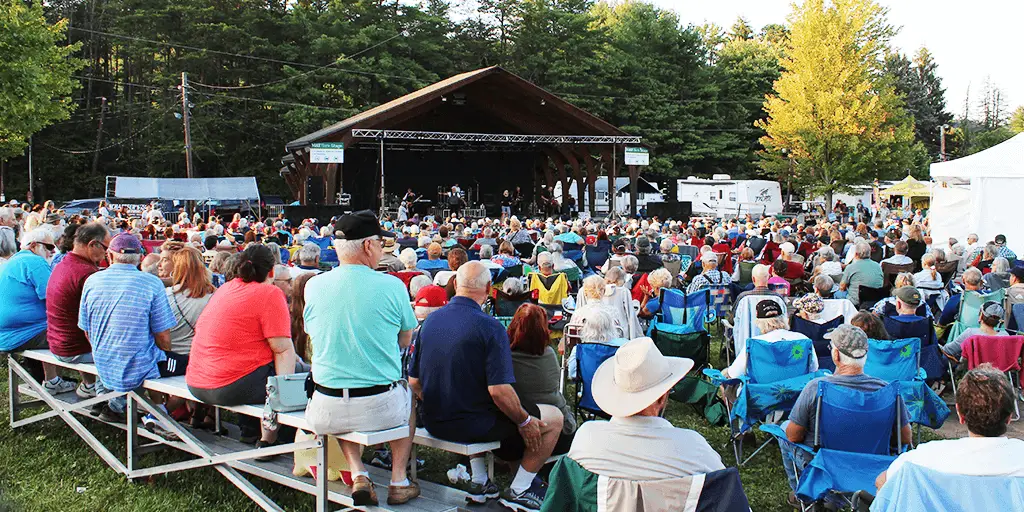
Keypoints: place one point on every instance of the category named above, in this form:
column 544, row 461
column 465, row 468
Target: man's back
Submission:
column 642, row 448
column 974, row 456
column 459, row 352
column 803, row 412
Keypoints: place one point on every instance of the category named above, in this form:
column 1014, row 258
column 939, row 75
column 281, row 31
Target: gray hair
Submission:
column 972, row 276
column 512, row 286
column 417, row 283
column 544, row 259
column 971, row 238
column 660, row 278
column 6, row 214
column 630, row 263
column 473, row 275
column 862, row 250
column 132, row 259
column 91, row 232
column 616, row 276
column 823, row 284
column 827, row 253
column 1000, row 265
column 309, row 253
column 597, row 324
column 666, row 245
column 275, row 249
column 151, row 264
column 486, row 252
column 593, row 287
column 767, row 325
column 36, row 236
column 8, row 245
column 852, row 361
column 990, row 251
column 348, row 249
column 760, row 273
column 408, row 257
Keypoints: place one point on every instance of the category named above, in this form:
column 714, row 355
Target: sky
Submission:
column 970, row 41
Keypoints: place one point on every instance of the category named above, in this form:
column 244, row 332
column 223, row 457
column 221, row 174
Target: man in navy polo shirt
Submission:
column 462, row 374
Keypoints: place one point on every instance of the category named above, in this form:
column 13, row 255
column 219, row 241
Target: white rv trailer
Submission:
column 647, row 192
column 724, row 197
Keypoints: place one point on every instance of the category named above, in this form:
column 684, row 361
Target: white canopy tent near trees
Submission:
column 979, row 194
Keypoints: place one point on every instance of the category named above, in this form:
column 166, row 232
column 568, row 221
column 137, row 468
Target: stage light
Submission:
column 542, row 102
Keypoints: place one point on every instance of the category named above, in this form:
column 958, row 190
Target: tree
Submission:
column 35, row 74
column 838, row 122
column 923, row 97
column 741, row 30
column 1017, row 120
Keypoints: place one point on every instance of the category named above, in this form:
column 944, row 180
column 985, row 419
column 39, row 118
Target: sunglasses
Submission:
column 49, row 247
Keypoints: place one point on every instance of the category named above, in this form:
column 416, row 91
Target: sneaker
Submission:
column 85, row 391
column 480, row 493
column 399, row 495
column 62, row 386
column 362, row 492
column 153, row 425
column 530, row 499
column 266, row 458
column 111, row 416
column 381, row 459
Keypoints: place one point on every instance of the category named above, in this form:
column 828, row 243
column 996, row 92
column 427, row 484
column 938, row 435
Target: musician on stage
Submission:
column 506, row 205
column 455, row 201
column 403, row 210
column 517, row 201
column 409, row 196
column 546, row 201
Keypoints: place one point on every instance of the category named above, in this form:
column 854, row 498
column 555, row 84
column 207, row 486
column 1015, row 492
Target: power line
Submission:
column 307, row 73
column 151, row 87
column 91, row 151
column 258, row 100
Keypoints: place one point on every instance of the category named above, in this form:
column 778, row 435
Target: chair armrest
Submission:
column 718, row 379
column 778, row 431
column 921, row 374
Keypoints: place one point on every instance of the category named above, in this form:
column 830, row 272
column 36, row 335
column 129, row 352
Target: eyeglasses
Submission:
column 49, row 247
column 101, row 244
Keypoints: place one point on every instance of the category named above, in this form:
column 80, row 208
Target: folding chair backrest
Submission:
column 690, row 310
column 688, row 250
column 869, row 296
column 1016, row 320
column 971, row 303
column 781, row 360
column 1003, row 352
column 596, row 257
column 893, row 360
column 685, row 260
column 746, row 269
column 946, row 269
column 721, row 298
column 816, row 332
column 589, row 357
column 855, row 421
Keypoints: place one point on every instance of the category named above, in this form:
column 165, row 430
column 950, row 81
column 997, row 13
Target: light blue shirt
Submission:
column 23, row 295
column 353, row 315
column 121, row 310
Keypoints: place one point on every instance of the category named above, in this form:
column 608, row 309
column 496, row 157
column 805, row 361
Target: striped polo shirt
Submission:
column 121, row 309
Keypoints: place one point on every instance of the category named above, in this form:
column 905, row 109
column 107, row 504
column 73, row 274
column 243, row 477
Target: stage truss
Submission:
column 493, row 137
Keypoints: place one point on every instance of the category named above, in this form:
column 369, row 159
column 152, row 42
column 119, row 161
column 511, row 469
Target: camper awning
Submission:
column 187, row 189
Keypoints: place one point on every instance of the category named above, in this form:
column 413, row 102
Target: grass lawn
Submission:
column 46, row 466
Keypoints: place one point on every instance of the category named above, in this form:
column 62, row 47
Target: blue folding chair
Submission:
column 917, row 488
column 816, row 332
column 776, row 374
column 682, row 313
column 721, row 301
column 596, row 257
column 572, row 252
column 932, row 360
column 846, row 459
column 900, row 361
column 589, row 357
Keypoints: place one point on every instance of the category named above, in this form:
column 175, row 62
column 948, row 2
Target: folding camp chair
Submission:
column 1003, row 352
column 816, row 332
column 589, row 357
column 868, row 296
column 846, row 459
column 970, row 310
column 932, row 360
column 596, row 257
column 721, row 301
column 743, row 326
column 776, row 374
column 915, row 487
column 572, row 252
column 899, row 361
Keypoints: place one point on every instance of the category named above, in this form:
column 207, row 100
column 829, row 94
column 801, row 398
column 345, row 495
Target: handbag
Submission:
column 287, row 393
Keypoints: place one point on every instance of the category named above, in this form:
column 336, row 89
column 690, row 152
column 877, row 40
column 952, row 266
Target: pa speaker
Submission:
column 680, row 211
column 315, row 190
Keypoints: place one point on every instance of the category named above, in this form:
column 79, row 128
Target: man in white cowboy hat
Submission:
column 638, row 444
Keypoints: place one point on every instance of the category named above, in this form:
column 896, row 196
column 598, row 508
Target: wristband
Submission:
column 526, row 421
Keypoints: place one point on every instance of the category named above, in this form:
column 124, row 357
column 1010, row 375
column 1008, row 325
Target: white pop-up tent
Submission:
column 981, row 193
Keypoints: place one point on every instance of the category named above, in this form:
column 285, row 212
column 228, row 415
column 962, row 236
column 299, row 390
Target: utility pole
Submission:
column 3, row 167
column 31, row 186
column 942, row 142
column 188, row 129
column 99, row 136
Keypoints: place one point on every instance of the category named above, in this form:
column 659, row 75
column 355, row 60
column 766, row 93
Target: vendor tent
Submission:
column 978, row 194
column 183, row 189
column 909, row 188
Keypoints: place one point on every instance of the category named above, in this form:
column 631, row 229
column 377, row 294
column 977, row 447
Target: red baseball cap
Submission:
column 432, row 296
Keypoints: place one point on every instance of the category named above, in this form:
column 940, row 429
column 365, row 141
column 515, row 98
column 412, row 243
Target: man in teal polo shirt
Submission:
column 360, row 320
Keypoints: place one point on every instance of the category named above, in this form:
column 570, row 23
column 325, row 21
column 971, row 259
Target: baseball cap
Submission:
column 768, row 309
column 1018, row 272
column 709, row 257
column 432, row 296
column 850, row 340
column 993, row 308
column 125, row 243
column 361, row 224
column 1000, row 239
column 909, row 295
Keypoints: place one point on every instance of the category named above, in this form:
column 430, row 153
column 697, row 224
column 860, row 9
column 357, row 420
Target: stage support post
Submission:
column 381, row 177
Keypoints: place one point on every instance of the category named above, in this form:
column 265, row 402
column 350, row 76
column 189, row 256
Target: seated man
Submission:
column 309, row 260
column 710, row 276
column 760, row 276
column 863, row 271
column 773, row 323
column 988, row 322
column 900, row 258
column 638, row 443
column 972, row 279
column 433, row 261
column 849, row 353
column 462, row 373
column 984, row 402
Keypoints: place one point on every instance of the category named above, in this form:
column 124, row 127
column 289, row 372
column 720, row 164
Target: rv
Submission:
column 724, row 197
column 647, row 192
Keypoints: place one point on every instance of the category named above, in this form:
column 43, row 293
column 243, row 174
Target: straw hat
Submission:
column 636, row 377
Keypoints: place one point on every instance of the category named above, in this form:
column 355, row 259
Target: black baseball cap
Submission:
column 768, row 309
column 361, row 224
column 1000, row 240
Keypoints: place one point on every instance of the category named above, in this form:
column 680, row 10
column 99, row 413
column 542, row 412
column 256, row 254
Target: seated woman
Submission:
column 536, row 367
column 871, row 324
column 887, row 306
column 188, row 296
column 650, row 305
column 778, row 282
column 744, row 266
column 615, row 298
column 243, row 337
column 999, row 277
column 506, row 256
column 774, row 326
column 597, row 326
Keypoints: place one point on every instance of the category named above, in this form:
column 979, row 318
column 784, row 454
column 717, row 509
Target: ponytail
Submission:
column 255, row 263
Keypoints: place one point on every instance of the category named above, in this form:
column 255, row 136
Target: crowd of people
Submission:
column 448, row 324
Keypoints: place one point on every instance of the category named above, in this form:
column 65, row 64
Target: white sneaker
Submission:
column 62, row 386
column 85, row 391
column 150, row 423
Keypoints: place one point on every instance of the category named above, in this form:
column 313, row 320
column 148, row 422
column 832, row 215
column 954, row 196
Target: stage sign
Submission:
column 637, row 156
column 327, row 153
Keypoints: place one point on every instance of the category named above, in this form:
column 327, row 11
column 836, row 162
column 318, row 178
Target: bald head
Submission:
column 473, row 280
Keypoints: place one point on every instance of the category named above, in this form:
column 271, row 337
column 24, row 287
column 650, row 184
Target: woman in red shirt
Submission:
column 243, row 337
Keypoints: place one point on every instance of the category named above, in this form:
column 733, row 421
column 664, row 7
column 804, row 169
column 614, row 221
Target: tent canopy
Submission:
column 909, row 187
column 999, row 161
column 186, row 189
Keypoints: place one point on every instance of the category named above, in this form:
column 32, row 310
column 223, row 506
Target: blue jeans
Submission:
column 794, row 460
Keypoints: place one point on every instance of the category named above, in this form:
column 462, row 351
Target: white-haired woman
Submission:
column 999, row 277
column 596, row 326
column 616, row 299
column 8, row 244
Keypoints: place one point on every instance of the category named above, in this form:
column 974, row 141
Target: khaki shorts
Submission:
column 328, row 415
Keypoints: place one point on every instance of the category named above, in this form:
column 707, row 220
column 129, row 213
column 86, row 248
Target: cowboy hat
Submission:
column 636, row 376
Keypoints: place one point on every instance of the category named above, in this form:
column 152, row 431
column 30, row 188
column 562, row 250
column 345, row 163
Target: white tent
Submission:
column 980, row 194
column 185, row 189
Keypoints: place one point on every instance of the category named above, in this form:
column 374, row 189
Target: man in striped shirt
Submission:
column 127, row 319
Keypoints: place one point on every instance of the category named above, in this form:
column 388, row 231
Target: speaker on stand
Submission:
column 316, row 188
